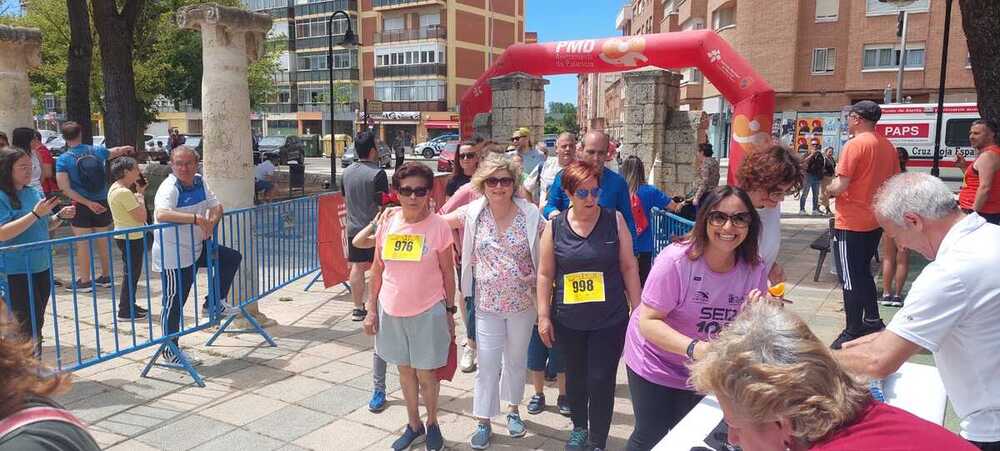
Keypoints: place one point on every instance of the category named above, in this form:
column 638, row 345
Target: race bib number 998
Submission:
column 403, row 248
column 583, row 287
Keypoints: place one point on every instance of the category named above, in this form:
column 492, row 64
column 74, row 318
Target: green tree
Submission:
column 561, row 117
column 981, row 23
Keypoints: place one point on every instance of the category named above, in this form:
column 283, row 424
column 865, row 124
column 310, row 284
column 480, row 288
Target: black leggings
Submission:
column 591, row 369
column 23, row 298
column 853, row 252
column 986, row 446
column 657, row 410
column 645, row 260
column 132, row 258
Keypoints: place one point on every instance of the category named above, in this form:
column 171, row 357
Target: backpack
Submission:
column 93, row 177
column 34, row 415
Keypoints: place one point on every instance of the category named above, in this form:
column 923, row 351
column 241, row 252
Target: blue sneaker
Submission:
column 515, row 425
column 537, row 404
column 481, row 439
column 377, row 403
column 578, row 440
column 409, row 438
column 435, row 442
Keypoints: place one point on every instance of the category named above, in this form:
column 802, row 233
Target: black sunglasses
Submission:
column 406, row 191
column 467, row 155
column 505, row 182
column 719, row 219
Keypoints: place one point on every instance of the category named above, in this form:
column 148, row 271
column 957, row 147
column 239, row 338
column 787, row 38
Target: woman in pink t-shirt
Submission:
column 412, row 299
column 695, row 288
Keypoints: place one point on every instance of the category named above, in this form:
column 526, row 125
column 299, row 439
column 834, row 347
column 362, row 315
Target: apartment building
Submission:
column 416, row 56
column 819, row 55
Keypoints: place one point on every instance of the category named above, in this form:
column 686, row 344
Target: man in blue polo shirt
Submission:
column 185, row 198
column 81, row 176
column 614, row 190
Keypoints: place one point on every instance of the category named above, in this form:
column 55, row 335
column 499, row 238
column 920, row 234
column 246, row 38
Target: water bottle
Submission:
column 875, row 387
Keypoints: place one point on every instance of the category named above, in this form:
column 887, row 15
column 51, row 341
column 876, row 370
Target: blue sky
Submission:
column 558, row 20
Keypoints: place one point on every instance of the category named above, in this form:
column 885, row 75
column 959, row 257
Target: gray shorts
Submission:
column 419, row 342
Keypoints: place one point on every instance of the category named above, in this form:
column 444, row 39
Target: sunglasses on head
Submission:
column 719, row 219
column 583, row 193
column 406, row 191
column 505, row 182
column 467, row 155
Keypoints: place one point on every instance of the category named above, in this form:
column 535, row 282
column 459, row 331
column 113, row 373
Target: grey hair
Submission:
column 568, row 135
column 183, row 148
column 911, row 192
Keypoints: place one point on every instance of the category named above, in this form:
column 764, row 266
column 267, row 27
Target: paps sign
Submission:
column 904, row 131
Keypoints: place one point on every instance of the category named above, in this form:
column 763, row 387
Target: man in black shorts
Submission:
column 80, row 174
column 363, row 184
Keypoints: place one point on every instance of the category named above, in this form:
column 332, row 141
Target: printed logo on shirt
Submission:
column 697, row 278
column 714, row 319
column 736, row 300
column 701, row 297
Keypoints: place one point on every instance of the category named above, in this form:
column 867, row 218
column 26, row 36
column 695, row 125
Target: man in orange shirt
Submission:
column 981, row 193
column 866, row 162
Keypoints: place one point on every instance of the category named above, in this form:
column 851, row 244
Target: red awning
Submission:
column 441, row 124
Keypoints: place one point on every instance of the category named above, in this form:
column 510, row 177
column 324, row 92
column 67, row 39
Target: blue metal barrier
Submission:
column 667, row 227
column 76, row 329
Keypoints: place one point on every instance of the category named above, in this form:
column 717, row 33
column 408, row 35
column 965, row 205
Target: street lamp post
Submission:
column 349, row 39
column 936, row 165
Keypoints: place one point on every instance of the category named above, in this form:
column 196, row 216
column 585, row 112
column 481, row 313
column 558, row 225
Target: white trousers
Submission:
column 502, row 344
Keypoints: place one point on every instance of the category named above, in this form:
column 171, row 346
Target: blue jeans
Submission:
column 812, row 183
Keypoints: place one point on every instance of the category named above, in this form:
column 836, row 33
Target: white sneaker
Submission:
column 468, row 361
column 170, row 357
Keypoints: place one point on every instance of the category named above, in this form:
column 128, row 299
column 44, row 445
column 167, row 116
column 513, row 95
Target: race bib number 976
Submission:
column 403, row 248
column 583, row 287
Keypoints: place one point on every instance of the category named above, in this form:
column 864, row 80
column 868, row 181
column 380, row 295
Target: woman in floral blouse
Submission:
column 499, row 255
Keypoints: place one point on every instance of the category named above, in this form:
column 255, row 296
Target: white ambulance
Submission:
column 911, row 126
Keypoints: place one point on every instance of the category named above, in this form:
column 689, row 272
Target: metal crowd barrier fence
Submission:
column 667, row 227
column 74, row 328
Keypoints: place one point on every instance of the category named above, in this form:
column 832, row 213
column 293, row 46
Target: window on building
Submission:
column 342, row 59
column 258, row 5
column 428, row 20
column 670, row 7
column 413, row 54
column 724, row 18
column 878, row 8
column 887, row 56
column 393, row 23
column 691, row 75
column 694, row 23
column 310, row 28
column 826, row 10
column 824, row 61
column 411, row 90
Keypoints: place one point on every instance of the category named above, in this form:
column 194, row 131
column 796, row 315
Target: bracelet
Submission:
column 690, row 349
column 35, row 214
column 194, row 218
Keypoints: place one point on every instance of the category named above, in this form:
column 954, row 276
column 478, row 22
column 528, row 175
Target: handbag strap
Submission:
column 33, row 415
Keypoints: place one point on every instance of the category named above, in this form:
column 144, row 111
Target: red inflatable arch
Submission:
column 752, row 97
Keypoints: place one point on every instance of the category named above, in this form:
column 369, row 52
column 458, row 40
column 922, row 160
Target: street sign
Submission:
column 374, row 107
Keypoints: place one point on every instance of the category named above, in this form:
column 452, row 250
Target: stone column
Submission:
column 19, row 51
column 518, row 101
column 674, row 170
column 231, row 38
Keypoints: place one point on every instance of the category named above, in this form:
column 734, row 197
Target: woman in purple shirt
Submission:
column 695, row 288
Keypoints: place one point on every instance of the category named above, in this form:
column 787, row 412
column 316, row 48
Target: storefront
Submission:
column 438, row 123
column 413, row 126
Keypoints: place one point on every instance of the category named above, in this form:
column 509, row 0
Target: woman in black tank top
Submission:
column 588, row 280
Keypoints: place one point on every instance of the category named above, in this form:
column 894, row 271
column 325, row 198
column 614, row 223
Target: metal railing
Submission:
column 399, row 3
column 412, row 70
column 73, row 328
column 428, row 32
column 666, row 228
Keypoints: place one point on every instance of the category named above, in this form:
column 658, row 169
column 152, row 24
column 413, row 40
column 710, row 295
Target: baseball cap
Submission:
column 522, row 132
column 868, row 110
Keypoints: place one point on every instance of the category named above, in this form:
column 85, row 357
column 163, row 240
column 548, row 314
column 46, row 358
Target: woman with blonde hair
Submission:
column 781, row 389
column 499, row 264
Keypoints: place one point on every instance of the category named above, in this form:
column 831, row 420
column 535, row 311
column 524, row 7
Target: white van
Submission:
column 911, row 126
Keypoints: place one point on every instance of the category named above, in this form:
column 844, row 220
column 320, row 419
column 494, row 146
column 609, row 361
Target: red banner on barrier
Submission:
column 331, row 240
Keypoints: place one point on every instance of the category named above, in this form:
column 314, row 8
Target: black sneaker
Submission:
column 103, row 281
column 886, row 300
column 358, row 314
column 844, row 337
column 537, row 404
column 896, row 301
column 563, row 404
column 140, row 313
column 81, row 287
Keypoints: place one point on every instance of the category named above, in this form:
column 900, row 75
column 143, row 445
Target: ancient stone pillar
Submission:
column 231, row 38
column 19, row 51
column 518, row 101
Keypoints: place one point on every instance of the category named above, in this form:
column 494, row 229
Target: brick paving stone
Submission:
column 243, row 409
column 343, row 435
column 290, row 423
column 337, row 401
column 241, row 439
column 185, row 433
column 294, row 389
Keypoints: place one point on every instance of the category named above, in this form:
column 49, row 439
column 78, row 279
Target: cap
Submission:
column 868, row 110
column 522, row 132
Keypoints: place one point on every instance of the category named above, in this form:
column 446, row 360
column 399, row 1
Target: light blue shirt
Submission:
column 28, row 260
column 67, row 163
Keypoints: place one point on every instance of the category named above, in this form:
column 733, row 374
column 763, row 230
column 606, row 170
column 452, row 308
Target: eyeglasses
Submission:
column 505, row 182
column 468, row 156
column 516, row 138
column 600, row 153
column 406, row 191
column 583, row 193
column 719, row 219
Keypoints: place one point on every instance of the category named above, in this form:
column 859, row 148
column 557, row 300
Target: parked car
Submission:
column 282, row 149
column 156, row 149
column 434, row 146
column 384, row 155
column 550, row 141
column 446, row 159
column 194, row 142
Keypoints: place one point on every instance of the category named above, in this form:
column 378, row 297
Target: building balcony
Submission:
column 624, row 15
column 413, row 70
column 401, row 105
column 430, row 32
column 324, row 75
column 277, row 108
column 310, row 9
column 386, row 5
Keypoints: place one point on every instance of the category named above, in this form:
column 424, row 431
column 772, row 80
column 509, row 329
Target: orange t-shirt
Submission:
column 869, row 160
column 967, row 196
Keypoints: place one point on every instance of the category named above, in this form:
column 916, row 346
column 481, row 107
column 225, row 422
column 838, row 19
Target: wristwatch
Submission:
column 453, row 309
column 690, row 349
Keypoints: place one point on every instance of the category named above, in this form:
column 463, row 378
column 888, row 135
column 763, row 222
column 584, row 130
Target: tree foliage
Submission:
column 561, row 117
column 981, row 23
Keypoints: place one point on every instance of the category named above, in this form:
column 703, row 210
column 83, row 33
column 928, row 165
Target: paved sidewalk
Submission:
column 311, row 392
